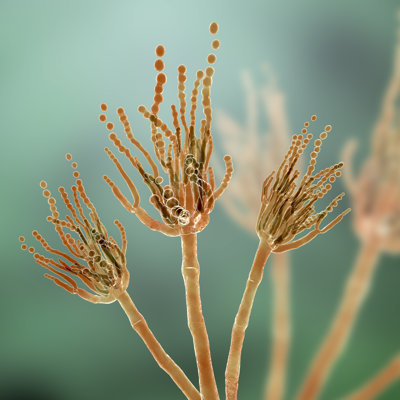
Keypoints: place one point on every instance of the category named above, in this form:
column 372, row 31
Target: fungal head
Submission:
column 179, row 175
column 288, row 201
column 90, row 253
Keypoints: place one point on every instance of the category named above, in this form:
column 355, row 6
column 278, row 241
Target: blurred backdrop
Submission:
column 59, row 61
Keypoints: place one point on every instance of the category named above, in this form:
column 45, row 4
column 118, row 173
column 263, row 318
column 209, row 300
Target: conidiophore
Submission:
column 185, row 202
column 102, row 263
column 99, row 262
column 287, row 209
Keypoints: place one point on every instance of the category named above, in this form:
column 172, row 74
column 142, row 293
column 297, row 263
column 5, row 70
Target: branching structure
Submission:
column 182, row 155
column 102, row 265
column 376, row 201
column 94, row 257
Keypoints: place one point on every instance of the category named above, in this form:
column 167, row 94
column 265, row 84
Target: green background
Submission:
column 59, row 61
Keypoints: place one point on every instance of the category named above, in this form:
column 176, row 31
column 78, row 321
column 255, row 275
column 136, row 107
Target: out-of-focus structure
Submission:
column 255, row 155
column 376, row 203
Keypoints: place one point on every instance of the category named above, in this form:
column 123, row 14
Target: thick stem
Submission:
column 275, row 388
column 379, row 383
column 191, row 276
column 242, row 320
column 356, row 290
column 163, row 359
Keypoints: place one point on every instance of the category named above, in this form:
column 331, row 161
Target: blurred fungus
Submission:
column 375, row 196
column 254, row 151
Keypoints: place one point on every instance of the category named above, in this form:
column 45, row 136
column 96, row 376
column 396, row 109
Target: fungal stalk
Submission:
column 276, row 380
column 287, row 210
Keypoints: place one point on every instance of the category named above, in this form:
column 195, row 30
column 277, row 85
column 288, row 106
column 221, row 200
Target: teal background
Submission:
column 59, row 61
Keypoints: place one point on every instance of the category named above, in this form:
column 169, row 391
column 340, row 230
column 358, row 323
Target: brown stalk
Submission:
column 162, row 358
column 232, row 371
column 191, row 275
column 102, row 266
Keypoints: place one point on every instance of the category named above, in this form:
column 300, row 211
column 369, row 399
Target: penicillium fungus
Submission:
column 92, row 255
column 288, row 201
column 180, row 179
